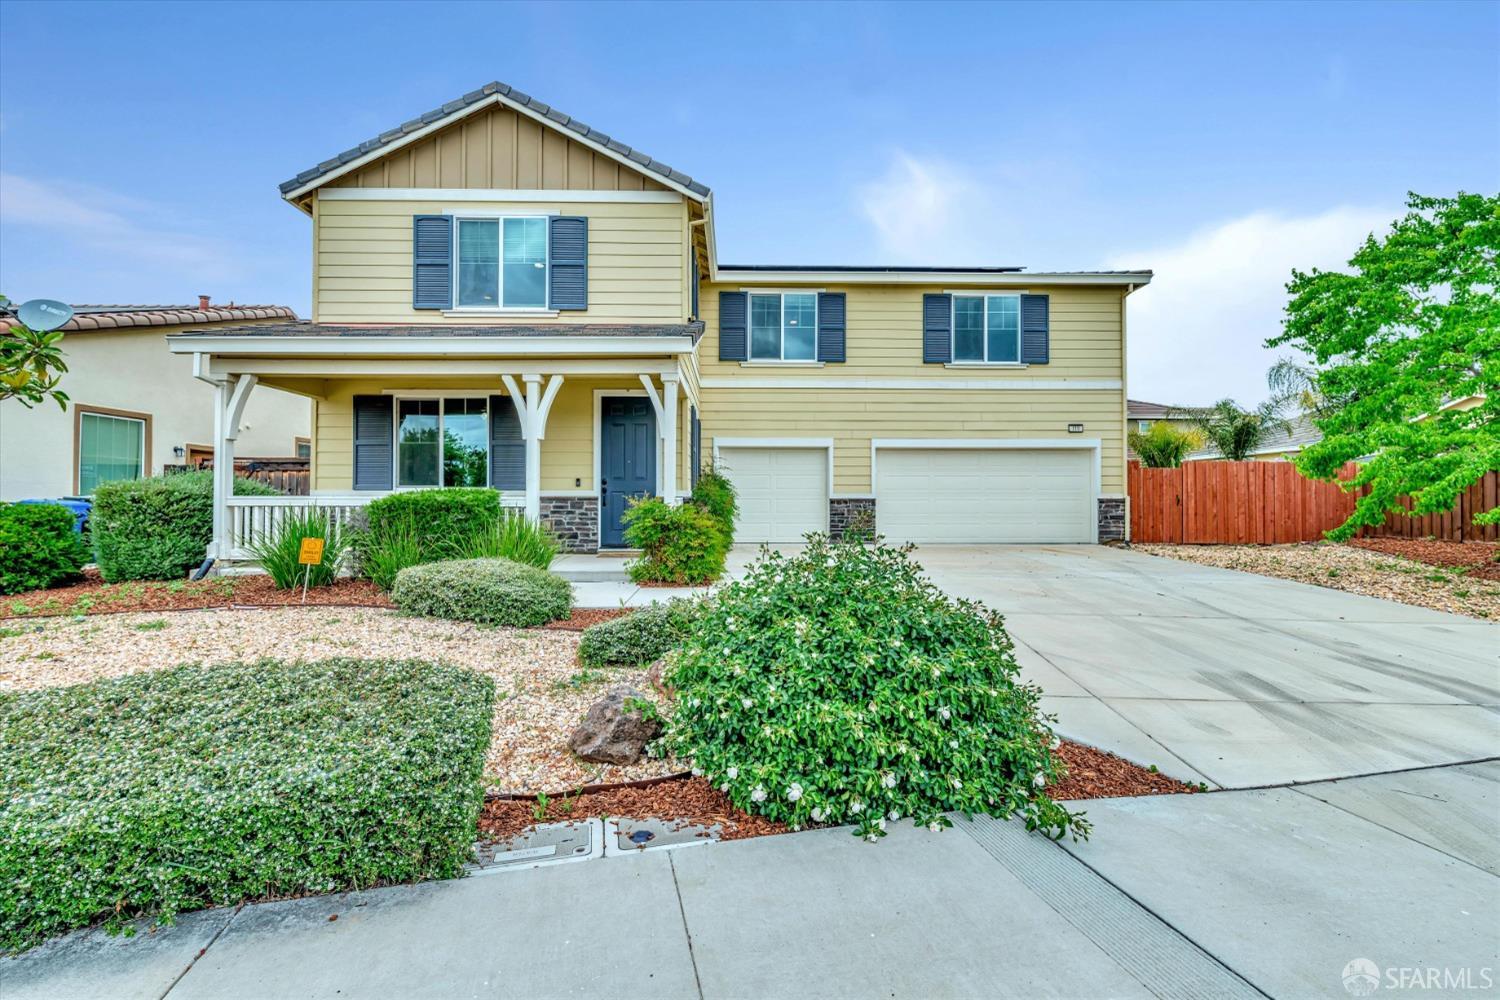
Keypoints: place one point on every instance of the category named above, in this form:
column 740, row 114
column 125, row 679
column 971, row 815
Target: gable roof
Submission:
column 1136, row 409
column 491, row 93
column 123, row 317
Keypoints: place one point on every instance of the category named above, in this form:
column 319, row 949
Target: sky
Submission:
column 1221, row 145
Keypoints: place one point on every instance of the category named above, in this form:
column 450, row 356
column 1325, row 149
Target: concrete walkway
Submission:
column 1231, row 894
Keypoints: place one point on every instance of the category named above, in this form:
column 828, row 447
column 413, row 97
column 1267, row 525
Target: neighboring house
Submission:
column 134, row 406
column 1140, row 415
column 505, row 296
column 1281, row 442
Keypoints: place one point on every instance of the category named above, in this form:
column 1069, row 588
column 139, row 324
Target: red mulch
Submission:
column 92, row 596
column 1480, row 557
column 582, row 618
column 1092, row 774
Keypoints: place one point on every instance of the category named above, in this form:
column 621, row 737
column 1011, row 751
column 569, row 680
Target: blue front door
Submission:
column 627, row 461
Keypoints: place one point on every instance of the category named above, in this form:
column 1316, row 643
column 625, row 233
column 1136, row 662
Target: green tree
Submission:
column 1234, row 432
column 31, row 364
column 1164, row 446
column 1412, row 326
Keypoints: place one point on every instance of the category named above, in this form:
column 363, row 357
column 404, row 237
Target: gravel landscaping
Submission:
column 1357, row 569
column 541, row 690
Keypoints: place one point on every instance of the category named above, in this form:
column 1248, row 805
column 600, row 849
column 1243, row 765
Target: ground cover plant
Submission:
column 38, row 547
column 638, row 638
column 279, row 551
column 840, row 686
column 157, row 528
column 193, row 786
column 488, row 591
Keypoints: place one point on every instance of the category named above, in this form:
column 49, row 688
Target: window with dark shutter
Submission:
column 1035, row 329
column 937, row 329
column 568, row 263
column 373, row 436
column 432, row 262
column 831, row 326
column 507, row 448
column 734, row 344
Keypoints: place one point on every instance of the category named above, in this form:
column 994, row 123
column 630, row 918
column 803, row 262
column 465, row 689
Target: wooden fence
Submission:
column 1266, row 503
column 289, row 475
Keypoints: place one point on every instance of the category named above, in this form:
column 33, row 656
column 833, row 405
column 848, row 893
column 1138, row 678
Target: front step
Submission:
column 591, row 569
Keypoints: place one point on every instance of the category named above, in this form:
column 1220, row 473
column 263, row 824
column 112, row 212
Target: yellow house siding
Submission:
column 853, row 417
column 498, row 148
column 362, row 258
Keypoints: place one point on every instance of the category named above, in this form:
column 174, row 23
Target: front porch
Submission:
column 568, row 438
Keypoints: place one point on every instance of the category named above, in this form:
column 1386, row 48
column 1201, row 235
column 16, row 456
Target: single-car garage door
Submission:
column 985, row 495
column 783, row 492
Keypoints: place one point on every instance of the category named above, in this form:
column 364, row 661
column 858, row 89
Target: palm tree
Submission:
column 1164, row 446
column 1236, row 433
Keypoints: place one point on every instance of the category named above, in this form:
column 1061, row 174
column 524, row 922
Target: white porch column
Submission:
column 532, row 408
column 230, row 398
column 669, row 437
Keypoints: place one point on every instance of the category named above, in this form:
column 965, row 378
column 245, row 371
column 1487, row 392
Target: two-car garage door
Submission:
column 975, row 496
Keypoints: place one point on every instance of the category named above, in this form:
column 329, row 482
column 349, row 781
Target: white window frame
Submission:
column 781, row 357
column 501, row 218
column 984, row 327
column 440, row 397
column 1142, row 426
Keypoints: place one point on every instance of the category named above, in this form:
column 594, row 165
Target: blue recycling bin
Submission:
column 78, row 505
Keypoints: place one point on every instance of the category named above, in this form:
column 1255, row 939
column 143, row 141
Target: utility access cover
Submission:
column 630, row 836
column 549, row 844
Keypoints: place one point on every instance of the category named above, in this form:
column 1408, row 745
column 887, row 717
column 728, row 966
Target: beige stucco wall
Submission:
column 133, row 370
column 362, row 261
column 884, row 342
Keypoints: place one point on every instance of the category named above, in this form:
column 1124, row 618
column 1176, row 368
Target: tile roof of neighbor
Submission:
column 1136, row 409
column 489, row 90
column 122, row 317
column 305, row 329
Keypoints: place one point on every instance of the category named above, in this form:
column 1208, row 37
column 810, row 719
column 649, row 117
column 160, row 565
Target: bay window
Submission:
column 987, row 329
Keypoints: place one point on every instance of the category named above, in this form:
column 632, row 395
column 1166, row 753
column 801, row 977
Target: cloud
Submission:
column 1195, row 333
column 922, row 210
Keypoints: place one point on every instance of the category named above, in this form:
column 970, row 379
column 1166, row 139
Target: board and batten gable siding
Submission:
column 884, row 341
column 638, row 264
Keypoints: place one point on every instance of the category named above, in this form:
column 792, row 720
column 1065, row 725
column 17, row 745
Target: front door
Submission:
column 627, row 461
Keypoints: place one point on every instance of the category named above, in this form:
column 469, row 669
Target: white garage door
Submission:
column 979, row 495
column 783, row 492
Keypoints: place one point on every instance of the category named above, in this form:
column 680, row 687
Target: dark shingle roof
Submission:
column 694, row 330
column 489, row 90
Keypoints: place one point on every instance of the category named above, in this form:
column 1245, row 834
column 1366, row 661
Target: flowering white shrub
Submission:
column 844, row 680
column 198, row 786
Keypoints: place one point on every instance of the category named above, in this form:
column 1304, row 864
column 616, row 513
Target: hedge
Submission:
column 489, row 591
column 196, row 786
column 158, row 528
column 441, row 520
column 38, row 547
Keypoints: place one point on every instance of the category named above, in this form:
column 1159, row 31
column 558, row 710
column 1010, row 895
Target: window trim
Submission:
column 440, row 397
column 79, row 409
column 501, row 217
column 781, row 358
column 984, row 297
column 298, row 442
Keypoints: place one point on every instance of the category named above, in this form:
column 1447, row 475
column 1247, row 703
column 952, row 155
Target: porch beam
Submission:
column 532, row 408
column 320, row 368
column 655, row 398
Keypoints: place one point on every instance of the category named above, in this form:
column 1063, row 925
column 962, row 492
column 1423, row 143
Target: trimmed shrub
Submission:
column 158, row 528
column 715, row 494
column 841, row 686
column 278, row 551
column 442, row 520
column 38, row 547
column 512, row 536
column 489, row 591
column 207, row 785
column 684, row 544
column 637, row 638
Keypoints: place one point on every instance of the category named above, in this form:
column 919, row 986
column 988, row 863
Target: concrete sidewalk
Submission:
column 1229, row 894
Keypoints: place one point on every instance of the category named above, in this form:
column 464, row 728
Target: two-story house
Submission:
column 505, row 296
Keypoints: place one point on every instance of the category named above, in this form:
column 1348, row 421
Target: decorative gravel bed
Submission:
column 541, row 691
column 1352, row 568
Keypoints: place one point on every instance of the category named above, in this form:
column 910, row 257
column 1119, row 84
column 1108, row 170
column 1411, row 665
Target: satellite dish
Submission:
column 44, row 314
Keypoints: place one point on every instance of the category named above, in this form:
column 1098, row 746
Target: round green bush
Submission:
column 489, row 591
column 637, row 638
column 839, row 685
column 38, row 547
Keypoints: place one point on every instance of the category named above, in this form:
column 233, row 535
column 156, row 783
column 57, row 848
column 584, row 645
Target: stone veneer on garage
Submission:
column 850, row 512
column 575, row 521
column 1111, row 519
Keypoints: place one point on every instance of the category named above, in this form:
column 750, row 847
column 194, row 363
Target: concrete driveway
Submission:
column 1231, row 678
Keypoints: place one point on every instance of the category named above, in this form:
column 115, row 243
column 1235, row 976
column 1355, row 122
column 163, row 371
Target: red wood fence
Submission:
column 289, row 475
column 1265, row 503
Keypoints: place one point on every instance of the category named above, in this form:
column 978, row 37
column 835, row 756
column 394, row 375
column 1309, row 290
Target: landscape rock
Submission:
column 611, row 735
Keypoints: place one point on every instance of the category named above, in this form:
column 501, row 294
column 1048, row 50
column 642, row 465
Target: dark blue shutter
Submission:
column 937, row 329
column 1035, row 334
column 507, row 447
column 695, row 436
column 734, row 340
column 831, row 326
column 568, row 262
column 694, row 313
column 374, row 434
column 432, row 262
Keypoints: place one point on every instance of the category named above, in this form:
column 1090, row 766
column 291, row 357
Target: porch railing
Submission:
column 252, row 519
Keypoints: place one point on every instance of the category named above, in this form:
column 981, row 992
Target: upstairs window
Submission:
column 502, row 263
column 987, row 329
column 784, row 327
